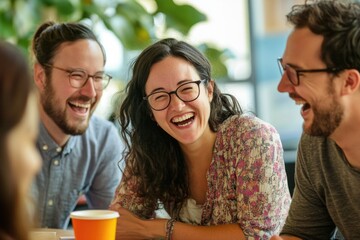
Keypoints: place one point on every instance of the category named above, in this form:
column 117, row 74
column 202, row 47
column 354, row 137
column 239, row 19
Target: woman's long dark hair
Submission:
column 153, row 157
column 15, row 87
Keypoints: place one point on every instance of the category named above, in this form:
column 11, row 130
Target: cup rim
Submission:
column 94, row 214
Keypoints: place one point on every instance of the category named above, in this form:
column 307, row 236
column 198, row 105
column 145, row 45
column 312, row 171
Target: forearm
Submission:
column 189, row 232
column 129, row 226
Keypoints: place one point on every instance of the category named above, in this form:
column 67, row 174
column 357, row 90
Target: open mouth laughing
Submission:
column 183, row 120
column 78, row 107
column 305, row 106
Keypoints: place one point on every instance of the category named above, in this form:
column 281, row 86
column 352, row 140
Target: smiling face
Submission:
column 187, row 122
column 71, row 108
column 317, row 92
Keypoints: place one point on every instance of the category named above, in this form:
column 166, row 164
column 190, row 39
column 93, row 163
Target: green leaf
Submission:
column 179, row 17
column 133, row 25
column 64, row 7
column 6, row 26
column 217, row 57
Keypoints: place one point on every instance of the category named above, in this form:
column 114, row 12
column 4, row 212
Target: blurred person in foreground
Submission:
column 80, row 151
column 217, row 172
column 20, row 159
column 320, row 66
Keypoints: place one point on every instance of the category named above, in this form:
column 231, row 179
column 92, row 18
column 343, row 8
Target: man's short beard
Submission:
column 327, row 120
column 49, row 103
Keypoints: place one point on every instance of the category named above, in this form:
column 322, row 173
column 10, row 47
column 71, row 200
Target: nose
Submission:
column 285, row 85
column 89, row 89
column 176, row 103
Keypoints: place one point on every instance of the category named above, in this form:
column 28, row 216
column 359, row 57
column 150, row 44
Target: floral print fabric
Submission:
column 247, row 182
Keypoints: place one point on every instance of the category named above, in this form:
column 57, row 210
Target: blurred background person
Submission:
column 20, row 160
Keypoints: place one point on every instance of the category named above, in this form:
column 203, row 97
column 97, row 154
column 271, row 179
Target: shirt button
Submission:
column 56, row 162
column 58, row 149
column 50, row 202
column 45, row 147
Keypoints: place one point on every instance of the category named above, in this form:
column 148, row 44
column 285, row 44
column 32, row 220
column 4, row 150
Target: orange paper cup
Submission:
column 94, row 224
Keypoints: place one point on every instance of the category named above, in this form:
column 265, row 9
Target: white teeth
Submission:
column 300, row 102
column 183, row 117
column 183, row 125
column 82, row 105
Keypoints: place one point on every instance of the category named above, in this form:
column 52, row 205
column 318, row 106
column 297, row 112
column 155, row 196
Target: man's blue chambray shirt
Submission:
column 88, row 164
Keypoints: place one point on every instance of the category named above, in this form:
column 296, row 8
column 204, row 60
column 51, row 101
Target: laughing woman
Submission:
column 218, row 173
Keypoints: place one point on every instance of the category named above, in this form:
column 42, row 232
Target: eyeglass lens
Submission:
column 290, row 72
column 79, row 78
column 187, row 92
column 292, row 75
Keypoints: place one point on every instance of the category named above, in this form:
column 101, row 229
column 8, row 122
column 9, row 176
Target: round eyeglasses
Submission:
column 78, row 78
column 186, row 92
column 294, row 74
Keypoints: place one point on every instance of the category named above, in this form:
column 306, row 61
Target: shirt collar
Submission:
column 46, row 143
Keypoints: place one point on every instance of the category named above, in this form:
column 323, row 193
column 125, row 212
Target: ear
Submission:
column 210, row 90
column 39, row 76
column 351, row 82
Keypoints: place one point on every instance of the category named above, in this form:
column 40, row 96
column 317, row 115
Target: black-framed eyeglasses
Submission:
column 186, row 92
column 78, row 78
column 294, row 74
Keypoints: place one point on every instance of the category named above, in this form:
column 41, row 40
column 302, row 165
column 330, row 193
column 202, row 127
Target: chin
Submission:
column 76, row 129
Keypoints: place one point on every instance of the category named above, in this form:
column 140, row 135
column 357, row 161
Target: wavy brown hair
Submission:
column 152, row 156
column 339, row 23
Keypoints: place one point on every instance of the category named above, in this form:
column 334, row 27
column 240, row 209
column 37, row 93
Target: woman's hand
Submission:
column 130, row 226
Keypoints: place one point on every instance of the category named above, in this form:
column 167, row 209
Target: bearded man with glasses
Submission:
column 80, row 151
column 320, row 71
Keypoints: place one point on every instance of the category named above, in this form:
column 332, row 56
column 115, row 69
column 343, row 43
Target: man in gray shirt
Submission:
column 80, row 152
column 321, row 71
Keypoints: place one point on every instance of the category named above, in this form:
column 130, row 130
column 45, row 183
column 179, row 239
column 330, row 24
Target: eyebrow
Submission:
column 294, row 66
column 83, row 70
column 179, row 83
column 289, row 64
column 297, row 67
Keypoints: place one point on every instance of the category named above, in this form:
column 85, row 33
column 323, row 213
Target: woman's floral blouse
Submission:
column 247, row 182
